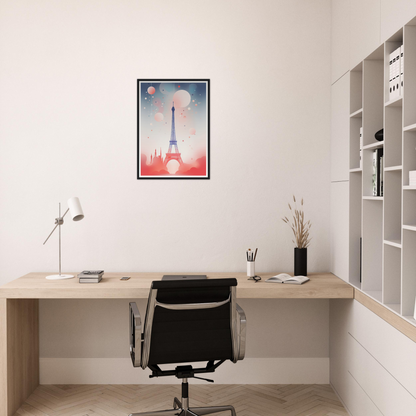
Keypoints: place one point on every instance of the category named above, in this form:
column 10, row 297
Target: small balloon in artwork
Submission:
column 159, row 117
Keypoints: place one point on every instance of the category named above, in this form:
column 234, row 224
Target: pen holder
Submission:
column 251, row 269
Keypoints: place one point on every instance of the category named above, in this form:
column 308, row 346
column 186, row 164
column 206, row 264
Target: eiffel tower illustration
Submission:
column 173, row 152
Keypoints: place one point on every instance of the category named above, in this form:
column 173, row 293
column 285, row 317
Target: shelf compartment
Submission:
column 367, row 155
column 373, row 104
column 392, row 275
column 409, row 208
column 409, row 273
column 393, row 131
column 392, row 205
column 409, row 155
column 409, row 108
column 372, row 246
column 355, row 215
column 356, row 89
column 355, row 125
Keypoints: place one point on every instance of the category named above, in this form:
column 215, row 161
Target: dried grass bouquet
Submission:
column 299, row 227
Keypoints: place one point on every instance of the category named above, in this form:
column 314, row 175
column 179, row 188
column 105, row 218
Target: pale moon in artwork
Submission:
column 181, row 98
column 151, row 90
column 172, row 166
column 158, row 116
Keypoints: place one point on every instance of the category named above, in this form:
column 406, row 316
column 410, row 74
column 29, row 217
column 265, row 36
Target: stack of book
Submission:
column 378, row 172
column 412, row 178
column 91, row 276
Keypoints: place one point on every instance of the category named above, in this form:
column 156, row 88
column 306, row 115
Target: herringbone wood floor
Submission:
column 120, row 400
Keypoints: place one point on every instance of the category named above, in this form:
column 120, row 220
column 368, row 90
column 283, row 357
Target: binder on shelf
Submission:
column 397, row 72
column 391, row 57
column 394, row 74
column 401, row 69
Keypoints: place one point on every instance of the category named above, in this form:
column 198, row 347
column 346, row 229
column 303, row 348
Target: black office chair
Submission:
column 188, row 321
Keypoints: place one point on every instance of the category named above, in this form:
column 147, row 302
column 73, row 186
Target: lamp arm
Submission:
column 58, row 221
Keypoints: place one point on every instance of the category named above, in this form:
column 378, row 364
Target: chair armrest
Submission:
column 241, row 331
column 135, row 335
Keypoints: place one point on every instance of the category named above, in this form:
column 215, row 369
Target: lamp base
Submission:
column 59, row 276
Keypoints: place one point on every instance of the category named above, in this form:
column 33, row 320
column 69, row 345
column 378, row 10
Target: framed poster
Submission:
column 173, row 129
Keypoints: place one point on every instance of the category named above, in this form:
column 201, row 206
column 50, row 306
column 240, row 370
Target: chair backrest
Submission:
column 190, row 321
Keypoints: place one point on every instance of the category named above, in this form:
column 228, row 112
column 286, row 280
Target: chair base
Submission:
column 179, row 410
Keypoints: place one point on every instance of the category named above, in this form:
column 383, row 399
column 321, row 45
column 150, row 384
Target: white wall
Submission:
column 68, row 77
column 360, row 26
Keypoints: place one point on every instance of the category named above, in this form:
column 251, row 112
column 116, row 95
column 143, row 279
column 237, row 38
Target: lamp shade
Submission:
column 75, row 209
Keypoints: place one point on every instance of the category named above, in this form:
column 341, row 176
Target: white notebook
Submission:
column 286, row 278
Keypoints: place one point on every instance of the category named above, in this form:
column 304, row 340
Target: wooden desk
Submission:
column 19, row 315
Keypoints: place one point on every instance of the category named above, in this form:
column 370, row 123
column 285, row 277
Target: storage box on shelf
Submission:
column 386, row 222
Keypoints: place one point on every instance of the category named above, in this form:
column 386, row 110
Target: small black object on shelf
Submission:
column 379, row 135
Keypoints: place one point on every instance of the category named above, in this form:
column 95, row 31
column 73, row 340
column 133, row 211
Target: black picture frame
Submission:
column 164, row 90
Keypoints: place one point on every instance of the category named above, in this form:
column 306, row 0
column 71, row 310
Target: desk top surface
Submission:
column 35, row 286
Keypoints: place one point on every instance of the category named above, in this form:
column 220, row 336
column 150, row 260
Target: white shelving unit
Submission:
column 384, row 227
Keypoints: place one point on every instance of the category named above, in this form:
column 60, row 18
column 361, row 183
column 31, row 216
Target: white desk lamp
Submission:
column 74, row 208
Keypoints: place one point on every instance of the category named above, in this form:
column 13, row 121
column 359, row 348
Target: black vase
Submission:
column 301, row 261
column 379, row 135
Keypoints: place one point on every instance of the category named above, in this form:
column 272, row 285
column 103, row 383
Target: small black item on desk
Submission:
column 125, row 278
column 255, row 278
